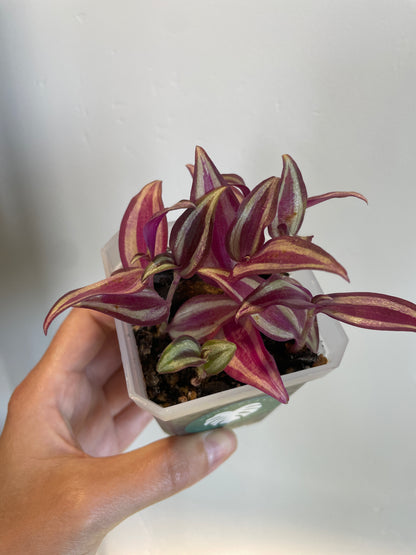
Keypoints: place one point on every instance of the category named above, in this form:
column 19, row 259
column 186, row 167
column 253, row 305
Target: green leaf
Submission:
column 182, row 353
column 218, row 353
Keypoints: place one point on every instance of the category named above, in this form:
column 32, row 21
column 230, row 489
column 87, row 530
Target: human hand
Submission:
column 63, row 482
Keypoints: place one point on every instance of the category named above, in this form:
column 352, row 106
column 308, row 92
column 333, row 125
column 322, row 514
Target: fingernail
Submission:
column 219, row 445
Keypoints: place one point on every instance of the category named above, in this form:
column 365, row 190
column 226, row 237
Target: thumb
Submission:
column 127, row 483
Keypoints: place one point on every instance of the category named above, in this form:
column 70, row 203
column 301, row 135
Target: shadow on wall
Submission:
column 23, row 278
column 18, row 226
column 5, row 391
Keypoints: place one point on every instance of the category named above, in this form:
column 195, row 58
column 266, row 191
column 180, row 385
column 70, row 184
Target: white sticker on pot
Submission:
column 229, row 416
column 234, row 414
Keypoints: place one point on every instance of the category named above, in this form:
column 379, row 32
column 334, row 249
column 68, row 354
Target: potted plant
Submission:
column 216, row 300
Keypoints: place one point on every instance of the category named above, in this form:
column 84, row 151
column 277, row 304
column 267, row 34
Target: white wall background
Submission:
column 99, row 98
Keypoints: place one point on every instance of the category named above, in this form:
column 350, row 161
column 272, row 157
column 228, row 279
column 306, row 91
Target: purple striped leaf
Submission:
column 230, row 179
column 202, row 316
column 280, row 323
column 191, row 235
column 225, row 213
column 124, row 282
column 291, row 203
column 140, row 209
column 252, row 364
column 236, row 289
column 151, row 226
column 277, row 290
column 219, row 276
column 246, row 233
column 206, row 176
column 139, row 260
column 312, row 201
column 287, row 254
column 160, row 263
column 369, row 310
column 312, row 337
column 145, row 308
column 237, row 182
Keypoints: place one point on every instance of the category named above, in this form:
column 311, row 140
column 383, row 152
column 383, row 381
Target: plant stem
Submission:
column 176, row 279
column 201, row 375
column 305, row 332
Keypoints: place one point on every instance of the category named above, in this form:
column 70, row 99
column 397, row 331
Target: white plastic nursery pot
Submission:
column 235, row 407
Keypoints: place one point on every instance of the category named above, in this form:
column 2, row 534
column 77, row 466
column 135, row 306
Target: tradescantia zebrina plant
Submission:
column 247, row 244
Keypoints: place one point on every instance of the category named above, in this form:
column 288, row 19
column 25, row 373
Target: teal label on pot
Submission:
column 234, row 414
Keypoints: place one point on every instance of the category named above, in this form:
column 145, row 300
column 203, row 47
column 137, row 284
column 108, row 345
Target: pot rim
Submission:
column 137, row 388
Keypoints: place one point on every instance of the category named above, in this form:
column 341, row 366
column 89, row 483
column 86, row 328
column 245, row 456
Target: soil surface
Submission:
column 171, row 389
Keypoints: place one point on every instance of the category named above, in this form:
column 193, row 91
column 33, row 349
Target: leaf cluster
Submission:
column 247, row 243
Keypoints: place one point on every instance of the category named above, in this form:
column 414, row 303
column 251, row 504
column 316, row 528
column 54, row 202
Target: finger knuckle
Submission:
column 177, row 473
column 16, row 400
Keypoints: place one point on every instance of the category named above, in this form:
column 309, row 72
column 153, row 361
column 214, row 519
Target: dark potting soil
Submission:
column 171, row 389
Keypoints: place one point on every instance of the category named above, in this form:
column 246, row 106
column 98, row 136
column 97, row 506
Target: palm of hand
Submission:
column 72, row 408
column 62, row 479
column 93, row 413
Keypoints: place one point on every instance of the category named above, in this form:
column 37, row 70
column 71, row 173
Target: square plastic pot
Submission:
column 235, row 407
